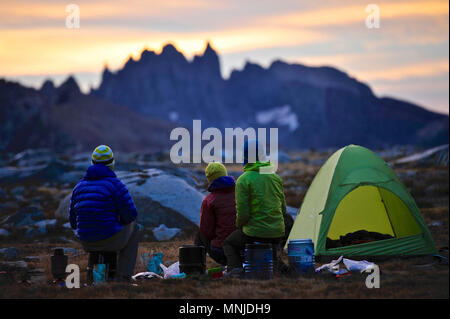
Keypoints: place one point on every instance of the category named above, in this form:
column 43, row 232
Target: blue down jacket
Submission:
column 100, row 205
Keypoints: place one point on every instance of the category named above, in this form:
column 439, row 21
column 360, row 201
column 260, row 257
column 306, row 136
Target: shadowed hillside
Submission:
column 63, row 118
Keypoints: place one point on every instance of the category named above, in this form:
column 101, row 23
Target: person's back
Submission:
column 103, row 213
column 221, row 203
column 260, row 202
column 260, row 208
column 100, row 205
column 218, row 212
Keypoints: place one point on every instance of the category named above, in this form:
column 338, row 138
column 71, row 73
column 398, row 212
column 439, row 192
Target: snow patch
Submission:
column 280, row 115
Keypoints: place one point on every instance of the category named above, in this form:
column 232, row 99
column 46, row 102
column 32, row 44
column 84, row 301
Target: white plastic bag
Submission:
column 172, row 270
column 357, row 266
column 333, row 266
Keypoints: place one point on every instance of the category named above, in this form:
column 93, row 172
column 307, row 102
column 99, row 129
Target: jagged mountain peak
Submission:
column 67, row 90
column 70, row 83
column 208, row 61
column 169, row 48
column 106, row 72
column 146, row 54
column 170, row 51
column 48, row 89
column 47, row 86
column 209, row 50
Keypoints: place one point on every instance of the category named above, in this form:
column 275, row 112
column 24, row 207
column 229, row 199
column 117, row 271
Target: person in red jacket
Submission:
column 218, row 212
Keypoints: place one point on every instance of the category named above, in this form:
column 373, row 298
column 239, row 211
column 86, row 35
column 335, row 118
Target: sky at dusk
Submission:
column 406, row 58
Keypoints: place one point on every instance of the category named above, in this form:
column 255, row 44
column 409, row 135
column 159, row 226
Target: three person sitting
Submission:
column 232, row 215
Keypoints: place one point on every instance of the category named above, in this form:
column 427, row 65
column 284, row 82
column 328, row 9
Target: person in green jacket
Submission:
column 260, row 207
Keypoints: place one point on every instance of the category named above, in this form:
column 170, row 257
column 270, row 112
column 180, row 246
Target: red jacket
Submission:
column 218, row 213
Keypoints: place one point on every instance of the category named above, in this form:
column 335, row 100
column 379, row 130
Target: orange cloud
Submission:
column 67, row 50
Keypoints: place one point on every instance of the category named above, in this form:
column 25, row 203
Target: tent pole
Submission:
column 387, row 212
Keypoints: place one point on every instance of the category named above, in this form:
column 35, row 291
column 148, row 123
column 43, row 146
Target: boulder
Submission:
column 67, row 250
column 283, row 157
column 4, row 233
column 292, row 211
column 63, row 208
column 32, row 157
column 9, row 206
column 17, row 193
column 11, row 265
column 4, row 158
column 31, row 232
column 2, row 195
column 37, row 276
column 71, row 178
column 49, row 172
column 163, row 193
column 40, row 227
column 9, row 253
column 44, row 224
column 24, row 217
column 163, row 233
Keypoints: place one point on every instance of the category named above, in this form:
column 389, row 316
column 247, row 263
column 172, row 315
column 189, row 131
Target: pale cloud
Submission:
column 101, row 9
column 431, row 92
column 378, row 65
column 370, row 67
column 343, row 15
column 424, row 69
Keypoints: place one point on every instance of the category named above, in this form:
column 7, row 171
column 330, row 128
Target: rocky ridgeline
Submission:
column 311, row 106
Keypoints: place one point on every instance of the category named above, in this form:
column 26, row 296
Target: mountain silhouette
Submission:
column 135, row 107
column 311, row 106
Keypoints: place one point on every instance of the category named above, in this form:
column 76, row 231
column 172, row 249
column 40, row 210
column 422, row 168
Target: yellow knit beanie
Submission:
column 215, row 170
column 103, row 155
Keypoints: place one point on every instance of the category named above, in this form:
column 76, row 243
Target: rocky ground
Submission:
column 34, row 192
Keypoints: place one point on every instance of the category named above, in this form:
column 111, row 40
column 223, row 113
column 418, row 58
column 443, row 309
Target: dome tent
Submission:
column 356, row 190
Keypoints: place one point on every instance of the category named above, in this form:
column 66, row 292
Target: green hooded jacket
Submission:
column 260, row 202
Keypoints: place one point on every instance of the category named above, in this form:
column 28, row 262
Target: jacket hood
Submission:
column 221, row 182
column 256, row 166
column 259, row 150
column 98, row 171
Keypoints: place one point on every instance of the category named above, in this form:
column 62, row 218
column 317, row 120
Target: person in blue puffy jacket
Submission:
column 103, row 213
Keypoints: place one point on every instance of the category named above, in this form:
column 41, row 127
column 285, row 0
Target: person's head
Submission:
column 214, row 170
column 254, row 151
column 103, row 155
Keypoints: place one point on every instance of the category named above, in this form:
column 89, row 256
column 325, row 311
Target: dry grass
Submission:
column 400, row 278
